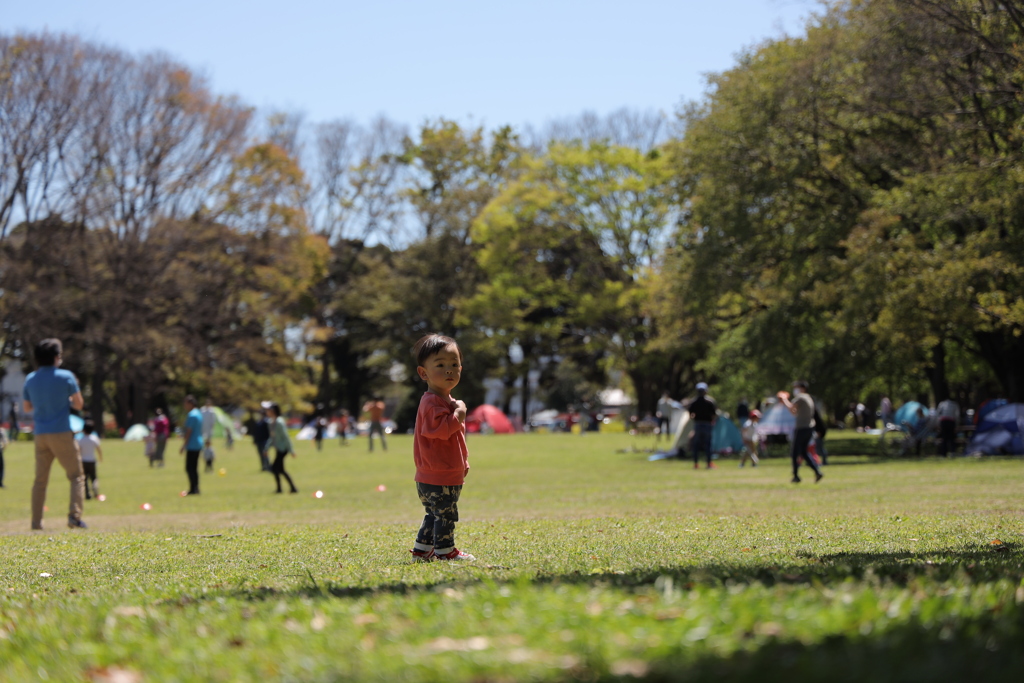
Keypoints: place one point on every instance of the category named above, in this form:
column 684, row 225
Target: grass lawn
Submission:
column 593, row 564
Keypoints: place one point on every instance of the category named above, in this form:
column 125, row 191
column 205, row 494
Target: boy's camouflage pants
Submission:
column 442, row 506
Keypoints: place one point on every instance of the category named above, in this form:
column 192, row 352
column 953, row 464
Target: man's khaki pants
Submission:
column 63, row 448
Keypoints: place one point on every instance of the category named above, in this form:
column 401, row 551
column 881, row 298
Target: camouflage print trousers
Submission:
column 442, row 506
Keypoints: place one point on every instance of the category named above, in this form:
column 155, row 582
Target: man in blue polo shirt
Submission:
column 193, row 446
column 49, row 394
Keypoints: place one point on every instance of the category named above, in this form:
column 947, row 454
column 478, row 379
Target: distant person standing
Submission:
column 751, row 439
column 887, row 414
column 948, row 412
column 50, row 393
column 3, row 445
column 259, row 430
column 318, row 434
column 343, row 425
column 282, row 444
column 704, row 412
column 664, row 414
column 209, row 421
column 193, row 446
column 742, row 410
column 89, row 447
column 375, row 408
column 15, row 430
column 802, row 407
column 161, row 430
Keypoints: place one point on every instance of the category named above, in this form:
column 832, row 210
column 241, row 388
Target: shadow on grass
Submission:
column 979, row 649
column 973, row 564
column 984, row 646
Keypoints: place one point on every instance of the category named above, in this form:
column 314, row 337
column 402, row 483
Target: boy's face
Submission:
column 442, row 371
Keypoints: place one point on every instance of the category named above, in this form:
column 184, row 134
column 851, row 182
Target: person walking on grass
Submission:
column 89, row 447
column 282, row 445
column 193, row 446
column 703, row 412
column 802, row 407
column 439, row 449
column 50, row 393
column 375, row 408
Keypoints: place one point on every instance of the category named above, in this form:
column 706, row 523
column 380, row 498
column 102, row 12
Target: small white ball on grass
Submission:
column 101, row 497
column 146, row 506
column 318, row 494
column 382, row 488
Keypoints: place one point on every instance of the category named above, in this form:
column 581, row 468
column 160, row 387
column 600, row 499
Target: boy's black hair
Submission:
column 191, row 399
column 276, row 408
column 47, row 350
column 432, row 344
column 89, row 427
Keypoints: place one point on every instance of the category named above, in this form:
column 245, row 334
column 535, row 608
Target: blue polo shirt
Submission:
column 194, row 421
column 48, row 389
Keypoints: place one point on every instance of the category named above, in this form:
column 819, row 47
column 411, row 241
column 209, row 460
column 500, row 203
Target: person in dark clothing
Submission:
column 3, row 445
column 259, row 430
column 742, row 411
column 318, row 435
column 703, row 412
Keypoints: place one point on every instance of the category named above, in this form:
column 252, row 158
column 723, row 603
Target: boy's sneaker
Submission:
column 712, row 466
column 818, row 476
column 423, row 555
column 76, row 523
column 456, row 554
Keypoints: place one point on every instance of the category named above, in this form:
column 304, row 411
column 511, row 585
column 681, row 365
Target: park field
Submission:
column 593, row 564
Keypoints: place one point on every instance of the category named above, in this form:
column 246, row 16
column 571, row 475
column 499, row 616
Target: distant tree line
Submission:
column 846, row 206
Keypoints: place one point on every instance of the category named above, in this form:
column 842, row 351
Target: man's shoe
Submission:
column 76, row 523
column 696, row 465
column 795, row 480
column 423, row 555
column 712, row 466
column 818, row 477
column 456, row 554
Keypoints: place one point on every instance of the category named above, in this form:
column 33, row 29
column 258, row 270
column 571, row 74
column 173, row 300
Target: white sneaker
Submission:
column 456, row 554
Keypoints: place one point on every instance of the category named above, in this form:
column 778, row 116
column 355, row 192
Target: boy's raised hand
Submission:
column 460, row 411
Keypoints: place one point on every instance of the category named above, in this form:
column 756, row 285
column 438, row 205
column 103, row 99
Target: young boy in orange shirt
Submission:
column 439, row 449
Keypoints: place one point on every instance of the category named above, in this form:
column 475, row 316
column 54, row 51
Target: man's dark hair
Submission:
column 801, row 383
column 89, row 427
column 276, row 408
column 48, row 350
column 191, row 399
column 432, row 344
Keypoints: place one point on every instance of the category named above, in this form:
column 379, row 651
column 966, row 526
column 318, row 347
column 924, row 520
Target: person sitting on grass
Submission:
column 439, row 449
column 89, row 446
column 282, row 444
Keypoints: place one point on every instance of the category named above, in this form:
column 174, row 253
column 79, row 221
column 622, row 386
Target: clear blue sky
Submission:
column 518, row 62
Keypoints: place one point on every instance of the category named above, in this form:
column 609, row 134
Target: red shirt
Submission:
column 161, row 425
column 439, row 445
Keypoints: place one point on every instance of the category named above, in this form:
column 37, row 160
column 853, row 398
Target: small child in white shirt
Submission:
column 89, row 447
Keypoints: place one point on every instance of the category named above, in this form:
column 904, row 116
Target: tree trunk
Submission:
column 525, row 394
column 936, row 372
column 96, row 396
column 1004, row 353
